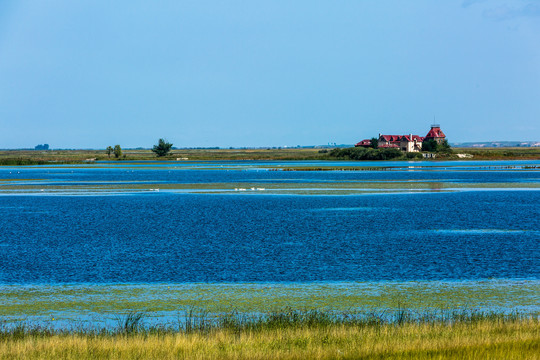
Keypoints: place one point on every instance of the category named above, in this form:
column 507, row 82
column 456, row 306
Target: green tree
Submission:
column 117, row 151
column 162, row 148
column 109, row 151
column 444, row 147
column 374, row 143
column 434, row 146
column 430, row 145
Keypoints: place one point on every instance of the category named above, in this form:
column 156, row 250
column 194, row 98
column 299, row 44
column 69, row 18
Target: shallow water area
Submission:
column 309, row 175
column 102, row 305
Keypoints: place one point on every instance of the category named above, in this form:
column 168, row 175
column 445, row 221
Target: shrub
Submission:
column 359, row 153
column 414, row 155
column 162, row 148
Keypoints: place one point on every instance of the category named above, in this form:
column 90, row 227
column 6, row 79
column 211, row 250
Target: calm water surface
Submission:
column 179, row 238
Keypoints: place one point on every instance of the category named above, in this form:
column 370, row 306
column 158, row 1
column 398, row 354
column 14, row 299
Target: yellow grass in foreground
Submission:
column 481, row 340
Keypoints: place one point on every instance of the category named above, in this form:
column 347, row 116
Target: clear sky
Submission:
column 87, row 74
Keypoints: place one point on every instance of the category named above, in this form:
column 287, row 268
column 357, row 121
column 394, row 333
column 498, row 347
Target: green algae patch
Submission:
column 490, row 295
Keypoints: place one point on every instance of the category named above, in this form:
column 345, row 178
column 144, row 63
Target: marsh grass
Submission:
column 287, row 334
column 197, row 320
column 130, row 322
column 21, row 161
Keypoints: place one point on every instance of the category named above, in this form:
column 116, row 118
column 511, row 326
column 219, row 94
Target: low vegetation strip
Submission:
column 58, row 301
column 287, row 335
column 31, row 157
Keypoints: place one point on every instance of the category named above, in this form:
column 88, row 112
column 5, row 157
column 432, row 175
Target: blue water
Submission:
column 458, row 164
column 168, row 237
column 244, row 171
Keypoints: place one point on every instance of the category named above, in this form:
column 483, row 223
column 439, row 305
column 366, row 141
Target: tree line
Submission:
column 162, row 148
column 117, row 151
column 360, row 153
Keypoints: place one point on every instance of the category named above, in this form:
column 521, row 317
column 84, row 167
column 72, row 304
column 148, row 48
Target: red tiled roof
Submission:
column 365, row 142
column 414, row 137
column 390, row 137
column 434, row 133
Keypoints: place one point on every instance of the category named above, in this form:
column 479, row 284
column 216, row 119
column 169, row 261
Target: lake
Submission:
column 157, row 225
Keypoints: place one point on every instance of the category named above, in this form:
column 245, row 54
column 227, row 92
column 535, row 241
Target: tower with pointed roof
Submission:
column 436, row 134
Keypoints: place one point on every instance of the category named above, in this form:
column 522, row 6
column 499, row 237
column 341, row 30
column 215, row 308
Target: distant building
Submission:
column 364, row 143
column 407, row 143
column 42, row 147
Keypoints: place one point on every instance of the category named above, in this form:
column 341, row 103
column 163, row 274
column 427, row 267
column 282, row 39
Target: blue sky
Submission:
column 87, row 74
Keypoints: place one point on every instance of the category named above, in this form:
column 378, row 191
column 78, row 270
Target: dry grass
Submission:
column 493, row 339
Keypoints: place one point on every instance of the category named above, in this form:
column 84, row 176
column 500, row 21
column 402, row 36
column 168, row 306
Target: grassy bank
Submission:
column 288, row 335
column 30, row 157
column 514, row 153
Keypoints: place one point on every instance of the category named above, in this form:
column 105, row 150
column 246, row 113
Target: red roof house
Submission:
column 408, row 143
column 364, row 143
